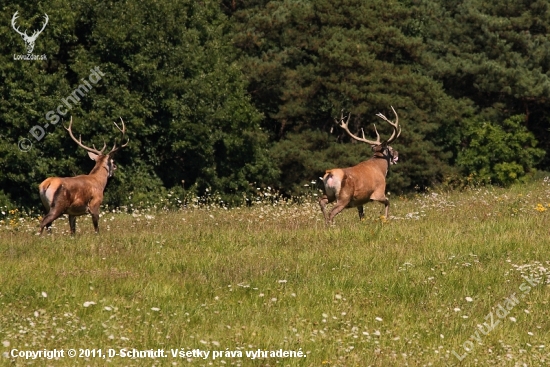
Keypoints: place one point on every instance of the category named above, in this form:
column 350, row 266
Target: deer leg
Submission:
column 387, row 207
column 381, row 197
column 361, row 212
column 323, row 201
column 49, row 218
column 338, row 207
column 72, row 223
column 386, row 203
column 95, row 218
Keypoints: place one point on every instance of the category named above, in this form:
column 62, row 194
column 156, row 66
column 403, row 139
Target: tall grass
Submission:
column 409, row 290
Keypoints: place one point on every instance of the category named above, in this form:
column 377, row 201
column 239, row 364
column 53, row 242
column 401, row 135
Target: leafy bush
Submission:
column 501, row 154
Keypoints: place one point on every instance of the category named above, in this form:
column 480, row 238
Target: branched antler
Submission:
column 79, row 141
column 94, row 149
column 396, row 128
column 123, row 131
column 344, row 125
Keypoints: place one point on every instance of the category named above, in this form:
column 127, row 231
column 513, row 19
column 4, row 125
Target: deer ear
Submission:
column 92, row 156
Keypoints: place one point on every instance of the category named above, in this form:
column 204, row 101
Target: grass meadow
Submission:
column 451, row 278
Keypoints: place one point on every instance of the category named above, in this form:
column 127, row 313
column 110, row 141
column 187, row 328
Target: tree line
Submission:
column 227, row 96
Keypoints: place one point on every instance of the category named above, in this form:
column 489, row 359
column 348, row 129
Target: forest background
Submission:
column 230, row 96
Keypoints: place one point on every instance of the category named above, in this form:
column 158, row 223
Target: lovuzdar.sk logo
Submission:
column 29, row 40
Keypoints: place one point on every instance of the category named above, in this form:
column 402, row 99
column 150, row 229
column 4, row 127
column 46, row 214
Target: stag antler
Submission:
column 94, row 149
column 396, row 128
column 79, row 141
column 123, row 131
column 344, row 125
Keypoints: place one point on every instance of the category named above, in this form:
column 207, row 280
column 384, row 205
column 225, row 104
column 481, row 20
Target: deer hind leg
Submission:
column 72, row 223
column 338, row 207
column 52, row 215
column 49, row 194
column 332, row 181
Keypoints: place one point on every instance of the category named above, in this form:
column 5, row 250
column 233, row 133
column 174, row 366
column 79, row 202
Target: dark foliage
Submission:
column 230, row 95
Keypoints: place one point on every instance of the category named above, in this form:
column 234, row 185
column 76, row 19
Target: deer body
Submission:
column 355, row 186
column 78, row 195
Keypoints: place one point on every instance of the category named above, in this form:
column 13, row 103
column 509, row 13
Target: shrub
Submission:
column 498, row 153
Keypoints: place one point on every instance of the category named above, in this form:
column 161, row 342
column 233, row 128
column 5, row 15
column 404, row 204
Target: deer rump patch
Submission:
column 333, row 183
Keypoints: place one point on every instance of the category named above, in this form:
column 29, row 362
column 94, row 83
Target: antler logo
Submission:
column 29, row 40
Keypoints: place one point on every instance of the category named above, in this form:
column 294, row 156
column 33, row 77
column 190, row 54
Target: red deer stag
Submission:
column 82, row 194
column 357, row 185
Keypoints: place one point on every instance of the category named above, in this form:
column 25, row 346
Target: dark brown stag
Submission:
column 357, row 185
column 82, row 194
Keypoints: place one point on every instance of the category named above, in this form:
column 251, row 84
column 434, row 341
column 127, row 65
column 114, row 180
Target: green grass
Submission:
column 411, row 290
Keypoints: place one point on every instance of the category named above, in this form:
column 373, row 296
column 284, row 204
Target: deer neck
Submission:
column 383, row 161
column 100, row 172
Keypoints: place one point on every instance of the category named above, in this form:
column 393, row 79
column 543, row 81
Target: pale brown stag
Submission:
column 357, row 185
column 82, row 194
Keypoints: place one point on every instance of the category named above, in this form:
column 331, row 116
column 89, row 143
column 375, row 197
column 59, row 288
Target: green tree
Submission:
column 498, row 153
column 494, row 53
column 169, row 71
column 308, row 60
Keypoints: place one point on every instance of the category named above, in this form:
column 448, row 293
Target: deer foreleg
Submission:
column 94, row 211
column 361, row 212
column 386, row 206
column 381, row 197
